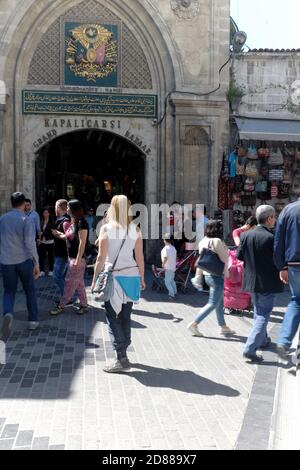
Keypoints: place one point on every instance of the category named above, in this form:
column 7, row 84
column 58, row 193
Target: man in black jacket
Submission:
column 60, row 247
column 261, row 278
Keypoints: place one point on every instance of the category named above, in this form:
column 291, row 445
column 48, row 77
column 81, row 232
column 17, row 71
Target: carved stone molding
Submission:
column 195, row 135
column 186, row 9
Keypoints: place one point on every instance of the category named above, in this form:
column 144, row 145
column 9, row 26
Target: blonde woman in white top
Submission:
column 128, row 276
column 212, row 241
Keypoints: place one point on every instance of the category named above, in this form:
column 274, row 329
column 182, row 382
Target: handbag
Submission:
column 263, row 152
column 248, row 200
column 297, row 155
column 274, row 190
column 242, row 152
column 284, row 190
column 276, row 157
column 289, row 162
column 249, row 185
column 261, row 186
column 236, row 197
column 251, row 171
column 210, row 262
column 240, row 167
column 252, row 152
column 104, row 281
column 276, row 174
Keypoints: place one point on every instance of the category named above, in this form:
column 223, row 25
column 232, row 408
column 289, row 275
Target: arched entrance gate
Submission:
column 89, row 165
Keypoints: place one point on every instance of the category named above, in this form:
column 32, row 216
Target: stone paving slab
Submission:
column 182, row 392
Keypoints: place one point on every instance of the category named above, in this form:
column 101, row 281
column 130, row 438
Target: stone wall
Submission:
column 271, row 83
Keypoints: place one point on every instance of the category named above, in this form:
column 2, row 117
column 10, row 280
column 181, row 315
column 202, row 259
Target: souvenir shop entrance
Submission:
column 91, row 166
column 256, row 173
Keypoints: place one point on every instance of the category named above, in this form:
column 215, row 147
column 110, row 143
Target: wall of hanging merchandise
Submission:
column 256, row 173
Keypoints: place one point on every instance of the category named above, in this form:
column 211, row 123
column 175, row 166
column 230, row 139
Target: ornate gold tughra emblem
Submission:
column 91, row 52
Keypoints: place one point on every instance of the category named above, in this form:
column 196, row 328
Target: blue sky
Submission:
column 268, row 23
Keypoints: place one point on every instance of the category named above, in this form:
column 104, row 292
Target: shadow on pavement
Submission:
column 158, row 315
column 183, row 381
column 43, row 363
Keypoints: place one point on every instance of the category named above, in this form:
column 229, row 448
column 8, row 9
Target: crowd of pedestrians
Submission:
column 270, row 257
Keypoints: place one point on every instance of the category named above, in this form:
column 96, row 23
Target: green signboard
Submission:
column 90, row 104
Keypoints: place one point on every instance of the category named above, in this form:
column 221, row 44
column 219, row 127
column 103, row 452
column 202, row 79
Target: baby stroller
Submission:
column 184, row 268
column 235, row 299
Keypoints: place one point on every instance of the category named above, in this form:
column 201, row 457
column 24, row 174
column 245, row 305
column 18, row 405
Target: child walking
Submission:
column 168, row 258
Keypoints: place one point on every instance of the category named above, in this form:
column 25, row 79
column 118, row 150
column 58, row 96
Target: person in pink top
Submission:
column 250, row 224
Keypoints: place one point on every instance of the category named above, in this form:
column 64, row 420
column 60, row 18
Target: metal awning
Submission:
column 268, row 129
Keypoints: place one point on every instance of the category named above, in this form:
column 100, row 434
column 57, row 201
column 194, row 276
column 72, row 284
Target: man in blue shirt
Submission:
column 33, row 216
column 18, row 259
column 287, row 260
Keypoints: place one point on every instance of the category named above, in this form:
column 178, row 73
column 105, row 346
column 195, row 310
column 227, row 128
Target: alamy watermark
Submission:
column 180, row 221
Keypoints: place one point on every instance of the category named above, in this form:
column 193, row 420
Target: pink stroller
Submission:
column 235, row 299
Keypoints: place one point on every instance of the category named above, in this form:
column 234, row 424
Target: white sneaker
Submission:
column 42, row 274
column 226, row 331
column 194, row 330
column 196, row 284
column 50, row 273
column 33, row 325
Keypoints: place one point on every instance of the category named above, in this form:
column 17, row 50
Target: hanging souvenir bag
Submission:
column 274, row 190
column 276, row 174
column 261, row 186
column 240, row 167
column 263, row 152
column 276, row 157
column 288, row 162
column 238, row 184
column 287, row 176
column 264, row 170
column 297, row 155
column 284, row 190
column 236, row 197
column 252, row 152
column 249, row 185
column 242, row 152
column 248, row 200
column 225, row 171
column 251, row 171
column 289, row 151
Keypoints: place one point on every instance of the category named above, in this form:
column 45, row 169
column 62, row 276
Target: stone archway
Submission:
column 43, row 131
column 89, row 165
column 20, row 133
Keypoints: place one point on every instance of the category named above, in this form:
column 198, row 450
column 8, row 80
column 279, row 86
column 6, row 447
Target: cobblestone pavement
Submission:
column 182, row 393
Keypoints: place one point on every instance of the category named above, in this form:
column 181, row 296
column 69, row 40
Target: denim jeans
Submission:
column 170, row 283
column 59, row 273
column 263, row 306
column 291, row 319
column 11, row 274
column 215, row 301
column 119, row 328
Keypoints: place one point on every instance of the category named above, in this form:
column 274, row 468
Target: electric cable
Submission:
column 158, row 123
